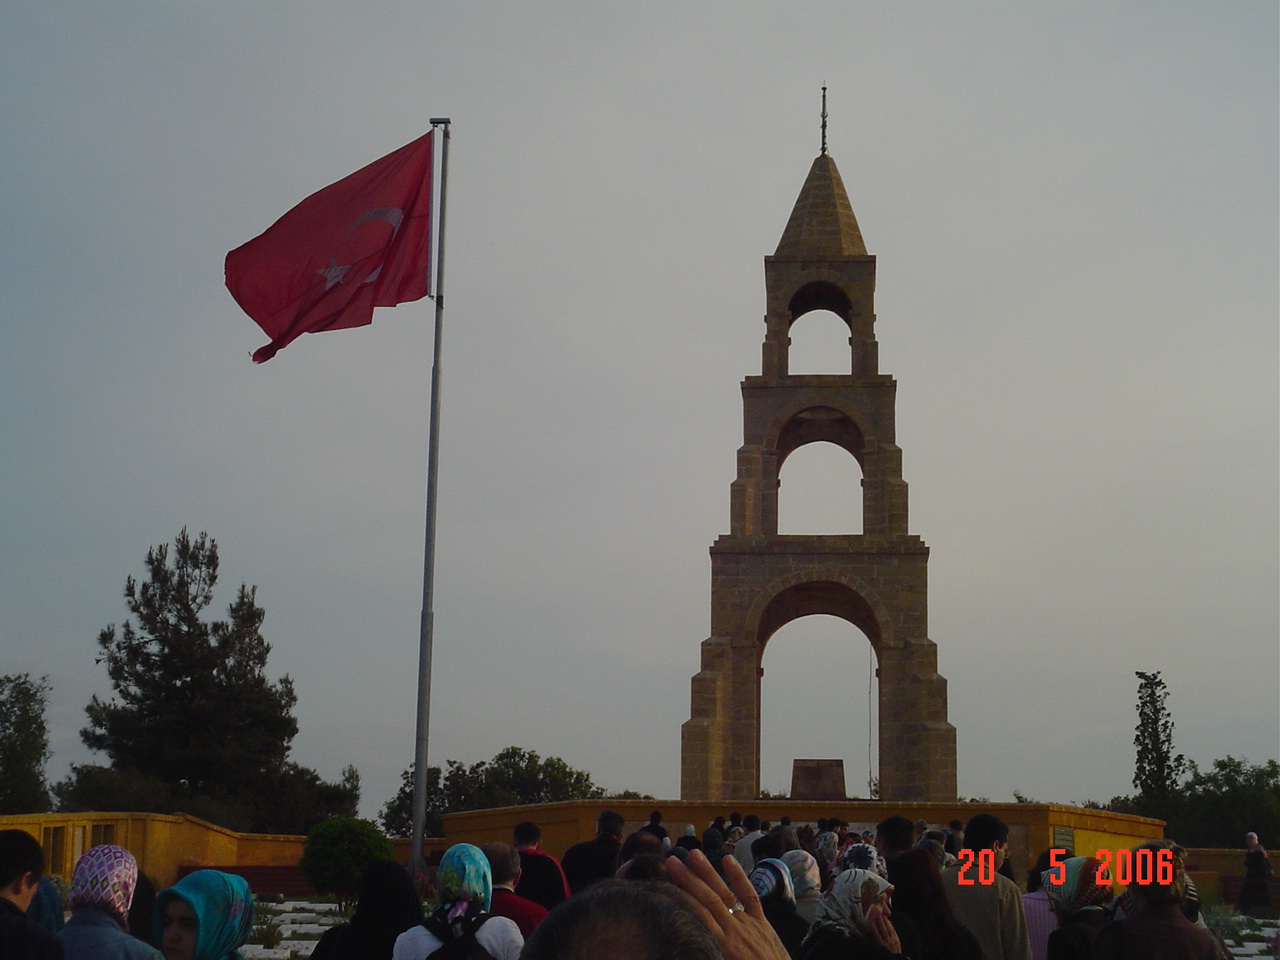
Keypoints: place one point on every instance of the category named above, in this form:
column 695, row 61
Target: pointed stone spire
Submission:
column 822, row 223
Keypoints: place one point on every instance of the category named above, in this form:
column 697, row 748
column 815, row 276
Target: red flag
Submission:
column 360, row 243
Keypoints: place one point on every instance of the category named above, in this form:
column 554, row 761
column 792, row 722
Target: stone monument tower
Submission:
column 875, row 580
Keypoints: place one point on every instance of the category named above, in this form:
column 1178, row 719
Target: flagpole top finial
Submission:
column 824, row 119
column 436, row 121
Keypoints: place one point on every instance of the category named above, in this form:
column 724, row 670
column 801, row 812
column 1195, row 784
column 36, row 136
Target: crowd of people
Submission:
column 745, row 889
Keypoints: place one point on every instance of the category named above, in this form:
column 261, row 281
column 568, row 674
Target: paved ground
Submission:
column 300, row 924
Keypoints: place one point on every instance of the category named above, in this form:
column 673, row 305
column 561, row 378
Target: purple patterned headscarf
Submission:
column 104, row 878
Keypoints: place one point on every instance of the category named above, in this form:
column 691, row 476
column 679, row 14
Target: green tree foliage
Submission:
column 24, row 744
column 1216, row 807
column 194, row 720
column 514, row 777
column 1157, row 772
column 337, row 852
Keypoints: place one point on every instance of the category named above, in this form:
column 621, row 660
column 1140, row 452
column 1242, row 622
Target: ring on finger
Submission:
column 736, row 908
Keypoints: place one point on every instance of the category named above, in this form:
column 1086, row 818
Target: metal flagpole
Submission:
column 429, row 550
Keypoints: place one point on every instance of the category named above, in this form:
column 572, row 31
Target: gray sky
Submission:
column 1074, row 210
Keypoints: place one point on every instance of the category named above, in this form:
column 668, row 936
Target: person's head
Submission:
column 735, row 834
column 955, row 826
column 644, row 866
column 637, row 843
column 765, row 825
column 206, row 915
column 764, row 847
column 806, row 878
column 771, row 879
column 894, row 835
column 986, row 831
column 917, row 885
column 934, row 849
column 1251, row 838
column 1076, row 884
column 784, row 822
column 718, row 823
column 464, row 876
column 623, row 920
column 387, row 901
column 856, row 897
column 735, row 819
column 1035, row 874
column 938, row 835
column 142, row 910
column 921, row 827
column 104, row 878
column 527, row 835
column 21, row 866
column 504, row 863
column 656, row 817
column 609, row 824
column 751, row 823
column 822, row 824
column 1146, row 894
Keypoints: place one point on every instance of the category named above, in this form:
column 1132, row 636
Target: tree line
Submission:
column 194, row 725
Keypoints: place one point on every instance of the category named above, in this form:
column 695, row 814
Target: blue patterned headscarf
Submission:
column 464, row 877
column 223, row 906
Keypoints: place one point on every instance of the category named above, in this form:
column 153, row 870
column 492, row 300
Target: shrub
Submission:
column 336, row 854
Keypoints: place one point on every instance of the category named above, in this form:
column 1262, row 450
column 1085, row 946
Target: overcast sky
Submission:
column 1074, row 211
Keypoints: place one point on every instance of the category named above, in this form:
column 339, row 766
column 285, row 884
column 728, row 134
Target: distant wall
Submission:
column 161, row 842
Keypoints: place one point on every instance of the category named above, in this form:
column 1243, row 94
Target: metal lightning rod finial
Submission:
column 824, row 119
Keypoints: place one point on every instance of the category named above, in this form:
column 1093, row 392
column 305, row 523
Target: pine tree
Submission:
column 1158, row 771
column 194, row 717
column 24, row 744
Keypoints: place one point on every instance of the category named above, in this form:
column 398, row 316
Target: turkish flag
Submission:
column 360, row 243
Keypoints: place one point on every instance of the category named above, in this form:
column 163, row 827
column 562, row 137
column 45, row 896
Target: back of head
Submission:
column 655, row 817
column 751, row 823
column 463, row 875
column 984, row 831
column 896, row 833
column 767, row 847
column 623, row 920
column 917, row 884
column 526, row 834
column 104, row 878
column 1145, row 894
column 20, row 854
column 609, row 824
column 388, row 904
column 638, row 843
column 504, row 862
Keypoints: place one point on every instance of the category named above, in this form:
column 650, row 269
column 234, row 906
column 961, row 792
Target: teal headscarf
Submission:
column 464, row 877
column 223, row 906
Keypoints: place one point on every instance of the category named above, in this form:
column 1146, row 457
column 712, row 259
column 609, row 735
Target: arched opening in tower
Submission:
column 820, row 491
column 819, row 344
column 818, row 701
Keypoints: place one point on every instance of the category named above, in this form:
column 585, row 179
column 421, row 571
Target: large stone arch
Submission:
column 761, row 579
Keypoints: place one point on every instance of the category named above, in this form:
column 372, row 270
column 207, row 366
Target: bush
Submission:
column 336, row 854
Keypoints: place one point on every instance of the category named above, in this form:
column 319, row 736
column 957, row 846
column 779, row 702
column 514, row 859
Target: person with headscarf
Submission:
column 46, row 907
column 806, row 881
column 771, row 880
column 102, row 888
column 386, row 907
column 466, row 889
column 853, row 921
column 207, row 915
column 1079, row 890
column 861, row 856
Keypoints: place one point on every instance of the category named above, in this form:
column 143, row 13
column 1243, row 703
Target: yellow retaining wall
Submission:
column 161, row 842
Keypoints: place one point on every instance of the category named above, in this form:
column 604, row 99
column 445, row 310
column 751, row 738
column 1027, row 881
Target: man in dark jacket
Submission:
column 21, row 865
column 594, row 860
